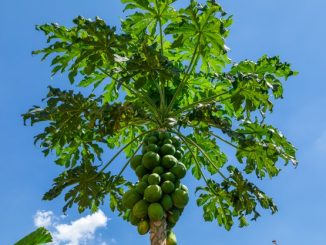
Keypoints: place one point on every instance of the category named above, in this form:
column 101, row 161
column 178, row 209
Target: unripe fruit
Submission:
column 168, row 176
column 143, row 227
column 150, row 160
column 140, row 187
column 180, row 198
column 155, row 212
column 135, row 161
column 158, row 170
column 140, row 209
column 130, row 198
column 153, row 147
column 167, row 187
column 153, row 193
column 171, row 239
column 152, row 140
column 167, row 149
column 167, row 202
column 179, row 170
column 154, row 179
column 141, row 171
column 168, row 161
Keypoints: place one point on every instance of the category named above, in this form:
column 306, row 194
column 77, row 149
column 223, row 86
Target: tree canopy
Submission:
column 164, row 69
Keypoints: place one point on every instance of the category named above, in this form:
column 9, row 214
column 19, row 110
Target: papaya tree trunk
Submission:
column 158, row 232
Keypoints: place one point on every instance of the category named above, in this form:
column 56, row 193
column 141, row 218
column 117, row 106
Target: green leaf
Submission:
column 198, row 30
column 85, row 49
column 196, row 172
column 211, row 149
column 77, row 126
column 234, row 197
column 152, row 13
column 88, row 188
column 261, row 146
column 255, row 83
column 110, row 92
column 37, row 237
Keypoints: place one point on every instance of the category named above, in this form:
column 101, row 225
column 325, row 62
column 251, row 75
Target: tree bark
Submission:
column 158, row 233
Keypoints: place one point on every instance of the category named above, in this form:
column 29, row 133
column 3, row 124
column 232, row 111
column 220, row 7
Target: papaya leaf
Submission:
column 88, row 188
column 255, row 85
column 198, row 30
column 210, row 147
column 261, row 146
column 152, row 13
column 84, row 49
column 235, row 197
column 79, row 126
column 37, row 237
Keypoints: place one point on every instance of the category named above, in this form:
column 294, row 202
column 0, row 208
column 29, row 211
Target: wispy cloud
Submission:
column 43, row 218
column 80, row 231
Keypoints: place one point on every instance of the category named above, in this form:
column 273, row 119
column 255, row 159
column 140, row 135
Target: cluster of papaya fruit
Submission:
column 159, row 193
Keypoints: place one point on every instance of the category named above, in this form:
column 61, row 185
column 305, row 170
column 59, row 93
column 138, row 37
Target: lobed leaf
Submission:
column 84, row 49
column 234, row 198
column 198, row 31
column 78, row 127
column 88, row 188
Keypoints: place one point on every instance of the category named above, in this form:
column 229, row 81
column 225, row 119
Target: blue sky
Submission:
column 293, row 29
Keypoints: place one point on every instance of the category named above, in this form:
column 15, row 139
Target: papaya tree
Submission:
column 166, row 95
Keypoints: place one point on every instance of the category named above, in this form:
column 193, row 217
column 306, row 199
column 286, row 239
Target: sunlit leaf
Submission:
column 37, row 237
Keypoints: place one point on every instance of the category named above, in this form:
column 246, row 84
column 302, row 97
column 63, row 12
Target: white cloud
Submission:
column 43, row 218
column 80, row 231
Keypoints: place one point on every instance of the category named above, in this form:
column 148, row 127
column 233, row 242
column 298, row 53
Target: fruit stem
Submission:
column 158, row 233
